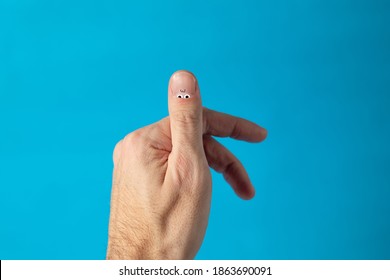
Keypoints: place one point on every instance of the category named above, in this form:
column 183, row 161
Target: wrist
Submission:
column 124, row 249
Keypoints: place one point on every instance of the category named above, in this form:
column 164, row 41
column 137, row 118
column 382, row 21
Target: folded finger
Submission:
column 223, row 161
column 224, row 125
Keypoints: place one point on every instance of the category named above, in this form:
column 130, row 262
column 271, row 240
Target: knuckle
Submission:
column 117, row 151
column 134, row 138
column 137, row 144
column 184, row 117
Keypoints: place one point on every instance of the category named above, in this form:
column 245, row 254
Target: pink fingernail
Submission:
column 183, row 85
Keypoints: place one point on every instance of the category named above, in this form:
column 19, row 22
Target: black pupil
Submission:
column 186, row 96
column 179, row 96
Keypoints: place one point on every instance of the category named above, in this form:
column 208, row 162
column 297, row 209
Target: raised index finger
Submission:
column 224, row 125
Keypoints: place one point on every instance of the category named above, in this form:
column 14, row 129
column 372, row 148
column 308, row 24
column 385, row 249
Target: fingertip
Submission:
column 184, row 89
column 251, row 193
column 261, row 133
column 248, row 194
column 183, row 83
column 183, row 71
column 264, row 133
column 241, row 184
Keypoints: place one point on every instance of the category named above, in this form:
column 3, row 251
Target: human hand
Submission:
column 161, row 191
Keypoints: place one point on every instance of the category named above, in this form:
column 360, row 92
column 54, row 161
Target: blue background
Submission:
column 77, row 76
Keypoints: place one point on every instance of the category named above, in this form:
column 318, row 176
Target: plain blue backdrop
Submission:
column 77, row 76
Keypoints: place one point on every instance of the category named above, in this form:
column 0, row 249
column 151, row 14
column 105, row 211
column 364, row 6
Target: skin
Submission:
column 161, row 191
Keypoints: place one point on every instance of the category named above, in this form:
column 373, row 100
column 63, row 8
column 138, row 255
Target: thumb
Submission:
column 185, row 111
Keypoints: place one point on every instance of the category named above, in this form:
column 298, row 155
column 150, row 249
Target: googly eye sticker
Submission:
column 186, row 96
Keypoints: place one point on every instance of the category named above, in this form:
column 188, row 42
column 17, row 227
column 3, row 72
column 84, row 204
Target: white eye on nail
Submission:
column 187, row 96
column 179, row 96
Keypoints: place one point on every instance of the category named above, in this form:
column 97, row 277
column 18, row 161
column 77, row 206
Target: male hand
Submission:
column 161, row 191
